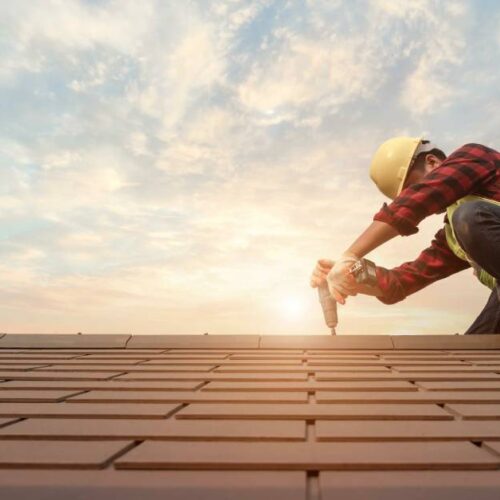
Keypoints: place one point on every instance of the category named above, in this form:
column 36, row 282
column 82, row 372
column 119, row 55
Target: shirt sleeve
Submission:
column 462, row 173
column 434, row 263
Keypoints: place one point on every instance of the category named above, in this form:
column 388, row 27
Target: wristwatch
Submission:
column 364, row 271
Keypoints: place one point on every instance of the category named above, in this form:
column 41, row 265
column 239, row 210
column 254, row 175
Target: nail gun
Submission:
column 364, row 271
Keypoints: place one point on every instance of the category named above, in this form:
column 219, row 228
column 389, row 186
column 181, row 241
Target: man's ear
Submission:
column 431, row 162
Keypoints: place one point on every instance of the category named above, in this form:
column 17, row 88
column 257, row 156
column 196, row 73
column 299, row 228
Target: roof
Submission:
column 257, row 416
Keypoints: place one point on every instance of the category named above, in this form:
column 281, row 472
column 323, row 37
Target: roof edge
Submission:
column 127, row 341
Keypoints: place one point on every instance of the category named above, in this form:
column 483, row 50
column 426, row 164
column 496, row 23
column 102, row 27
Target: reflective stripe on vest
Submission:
column 484, row 277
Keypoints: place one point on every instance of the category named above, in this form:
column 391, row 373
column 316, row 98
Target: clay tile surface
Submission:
column 249, row 417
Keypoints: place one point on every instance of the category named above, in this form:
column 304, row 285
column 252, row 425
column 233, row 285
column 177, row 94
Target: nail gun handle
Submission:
column 329, row 305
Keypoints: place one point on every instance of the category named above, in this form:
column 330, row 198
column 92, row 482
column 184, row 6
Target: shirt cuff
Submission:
column 391, row 290
column 403, row 226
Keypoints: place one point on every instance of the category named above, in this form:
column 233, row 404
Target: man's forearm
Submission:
column 374, row 235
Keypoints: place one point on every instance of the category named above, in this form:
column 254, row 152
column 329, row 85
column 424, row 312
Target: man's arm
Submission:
column 434, row 263
column 376, row 234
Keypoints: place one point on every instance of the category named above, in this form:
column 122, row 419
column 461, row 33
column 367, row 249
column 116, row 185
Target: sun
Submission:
column 292, row 307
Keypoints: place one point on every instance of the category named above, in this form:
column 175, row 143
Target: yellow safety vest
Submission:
column 484, row 277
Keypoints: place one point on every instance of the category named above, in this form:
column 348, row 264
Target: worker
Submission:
column 421, row 180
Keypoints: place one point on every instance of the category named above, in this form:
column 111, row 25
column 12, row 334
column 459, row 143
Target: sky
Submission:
column 174, row 167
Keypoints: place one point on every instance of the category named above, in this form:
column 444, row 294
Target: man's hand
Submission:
column 340, row 282
column 320, row 272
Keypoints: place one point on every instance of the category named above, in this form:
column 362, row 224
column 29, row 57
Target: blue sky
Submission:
column 179, row 167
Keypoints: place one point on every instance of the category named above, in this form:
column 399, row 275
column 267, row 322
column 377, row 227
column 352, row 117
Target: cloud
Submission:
column 306, row 70
column 39, row 30
column 442, row 45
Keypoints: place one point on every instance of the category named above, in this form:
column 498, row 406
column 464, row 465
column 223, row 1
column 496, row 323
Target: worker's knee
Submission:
column 468, row 221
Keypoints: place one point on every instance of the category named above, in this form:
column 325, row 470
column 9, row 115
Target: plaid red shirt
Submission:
column 471, row 169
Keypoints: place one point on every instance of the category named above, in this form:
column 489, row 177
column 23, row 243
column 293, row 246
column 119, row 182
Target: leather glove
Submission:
column 340, row 282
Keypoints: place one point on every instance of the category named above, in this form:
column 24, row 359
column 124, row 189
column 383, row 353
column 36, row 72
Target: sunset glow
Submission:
column 292, row 308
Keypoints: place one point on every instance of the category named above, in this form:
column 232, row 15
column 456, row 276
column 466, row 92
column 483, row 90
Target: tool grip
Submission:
column 329, row 305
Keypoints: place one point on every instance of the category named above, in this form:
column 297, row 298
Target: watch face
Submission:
column 356, row 268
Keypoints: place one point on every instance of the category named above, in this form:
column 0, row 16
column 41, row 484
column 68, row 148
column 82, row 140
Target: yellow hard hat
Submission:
column 392, row 161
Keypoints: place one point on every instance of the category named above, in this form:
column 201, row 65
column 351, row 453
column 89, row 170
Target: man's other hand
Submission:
column 318, row 276
column 340, row 282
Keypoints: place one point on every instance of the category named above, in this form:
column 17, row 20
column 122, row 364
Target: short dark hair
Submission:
column 419, row 163
column 420, row 160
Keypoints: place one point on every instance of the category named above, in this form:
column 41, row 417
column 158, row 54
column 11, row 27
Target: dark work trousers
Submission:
column 477, row 228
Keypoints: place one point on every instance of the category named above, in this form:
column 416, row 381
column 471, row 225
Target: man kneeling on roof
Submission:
column 422, row 181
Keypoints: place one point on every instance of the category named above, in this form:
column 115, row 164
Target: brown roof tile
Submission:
column 106, row 385
column 75, row 455
column 312, row 385
column 188, row 397
column 460, row 385
column 327, row 341
column 446, row 341
column 413, row 375
column 311, row 411
column 20, row 366
column 156, row 429
column 350, row 430
column 436, row 397
column 203, row 341
column 87, row 410
column 153, row 485
column 57, row 375
column 63, row 340
column 130, row 368
column 239, row 376
column 307, row 455
column 476, row 411
column 35, row 396
column 297, row 369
